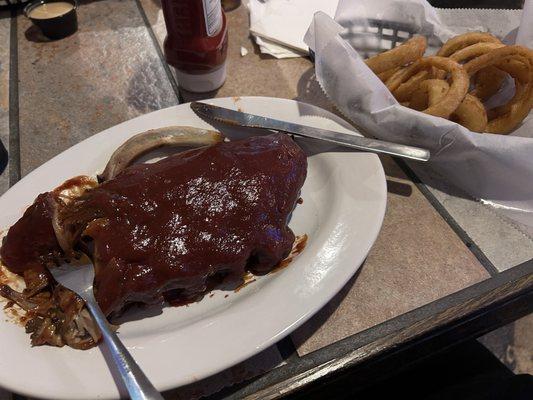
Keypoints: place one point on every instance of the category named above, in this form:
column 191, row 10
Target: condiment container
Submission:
column 56, row 18
column 196, row 43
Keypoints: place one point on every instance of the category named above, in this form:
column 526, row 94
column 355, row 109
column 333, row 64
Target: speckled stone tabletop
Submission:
column 5, row 23
column 112, row 70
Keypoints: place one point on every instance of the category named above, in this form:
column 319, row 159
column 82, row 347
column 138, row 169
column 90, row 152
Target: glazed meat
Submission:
column 31, row 243
column 176, row 228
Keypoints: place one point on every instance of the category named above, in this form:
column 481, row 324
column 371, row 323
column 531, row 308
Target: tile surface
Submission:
column 416, row 259
column 503, row 241
column 4, row 95
column 104, row 74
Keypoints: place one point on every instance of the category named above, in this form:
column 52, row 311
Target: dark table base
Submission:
column 467, row 371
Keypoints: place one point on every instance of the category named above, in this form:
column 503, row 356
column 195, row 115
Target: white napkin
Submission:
column 267, row 46
column 497, row 169
column 525, row 33
column 279, row 26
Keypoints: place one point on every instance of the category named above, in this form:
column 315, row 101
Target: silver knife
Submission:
column 231, row 117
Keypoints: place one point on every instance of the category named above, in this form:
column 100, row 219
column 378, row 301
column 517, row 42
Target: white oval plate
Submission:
column 344, row 203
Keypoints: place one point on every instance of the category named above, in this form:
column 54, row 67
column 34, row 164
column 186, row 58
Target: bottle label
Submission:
column 213, row 16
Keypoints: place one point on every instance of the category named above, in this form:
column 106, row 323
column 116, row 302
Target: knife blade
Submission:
column 238, row 118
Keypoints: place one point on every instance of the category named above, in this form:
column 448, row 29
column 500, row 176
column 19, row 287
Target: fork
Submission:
column 79, row 279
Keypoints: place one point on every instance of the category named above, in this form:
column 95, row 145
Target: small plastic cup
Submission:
column 57, row 26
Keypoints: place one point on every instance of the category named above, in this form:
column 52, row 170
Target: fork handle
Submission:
column 138, row 385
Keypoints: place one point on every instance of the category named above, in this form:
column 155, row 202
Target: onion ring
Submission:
column 142, row 143
column 465, row 40
column 438, row 85
column 406, row 53
column 518, row 107
column 471, row 114
column 474, row 50
column 493, row 79
column 487, row 82
column 458, row 87
column 469, row 52
column 500, row 57
column 406, row 89
column 429, row 93
column 506, row 108
column 385, row 76
column 515, row 68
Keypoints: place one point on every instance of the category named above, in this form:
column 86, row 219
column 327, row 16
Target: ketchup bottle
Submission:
column 196, row 43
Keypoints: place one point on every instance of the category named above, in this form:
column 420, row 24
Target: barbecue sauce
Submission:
column 177, row 228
